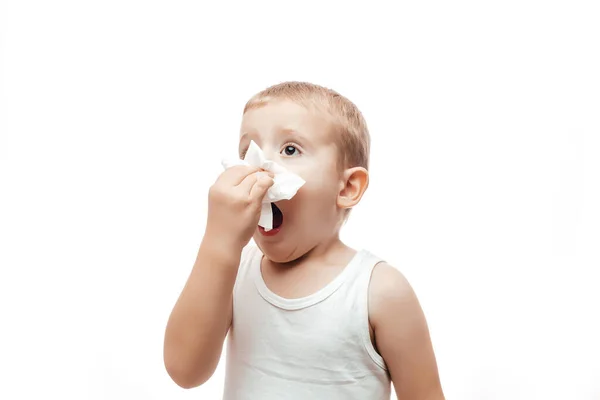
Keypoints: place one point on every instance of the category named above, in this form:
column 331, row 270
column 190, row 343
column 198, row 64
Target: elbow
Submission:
column 185, row 376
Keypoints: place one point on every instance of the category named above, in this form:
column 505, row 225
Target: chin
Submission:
column 280, row 252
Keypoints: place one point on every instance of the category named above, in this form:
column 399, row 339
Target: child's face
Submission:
column 302, row 141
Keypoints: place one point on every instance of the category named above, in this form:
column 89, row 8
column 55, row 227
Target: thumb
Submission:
column 260, row 187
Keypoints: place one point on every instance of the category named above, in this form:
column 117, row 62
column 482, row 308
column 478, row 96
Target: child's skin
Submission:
column 303, row 257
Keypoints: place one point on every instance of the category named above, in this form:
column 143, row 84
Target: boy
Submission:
column 308, row 317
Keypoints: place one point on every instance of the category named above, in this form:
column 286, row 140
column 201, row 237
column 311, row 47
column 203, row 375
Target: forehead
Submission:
column 285, row 115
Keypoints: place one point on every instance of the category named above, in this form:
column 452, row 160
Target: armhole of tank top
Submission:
column 375, row 356
column 246, row 258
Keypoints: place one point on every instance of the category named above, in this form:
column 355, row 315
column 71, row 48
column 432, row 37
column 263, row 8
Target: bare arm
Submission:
column 202, row 315
column 402, row 336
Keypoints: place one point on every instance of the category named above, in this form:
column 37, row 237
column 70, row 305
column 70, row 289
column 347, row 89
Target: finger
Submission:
column 259, row 189
column 235, row 175
column 250, row 180
column 246, row 185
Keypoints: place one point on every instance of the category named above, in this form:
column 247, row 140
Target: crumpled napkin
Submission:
column 285, row 185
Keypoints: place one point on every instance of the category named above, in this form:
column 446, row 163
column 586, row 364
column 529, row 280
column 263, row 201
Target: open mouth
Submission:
column 277, row 216
column 277, row 222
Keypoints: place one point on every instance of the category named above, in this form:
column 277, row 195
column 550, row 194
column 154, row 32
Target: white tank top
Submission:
column 311, row 348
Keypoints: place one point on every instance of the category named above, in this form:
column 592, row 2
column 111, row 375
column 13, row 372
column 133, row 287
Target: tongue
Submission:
column 277, row 216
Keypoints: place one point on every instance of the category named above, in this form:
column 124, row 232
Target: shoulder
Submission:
column 387, row 282
column 248, row 252
column 402, row 335
column 390, row 294
column 248, row 258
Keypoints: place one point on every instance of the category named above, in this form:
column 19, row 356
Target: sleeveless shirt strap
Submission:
column 249, row 253
column 364, row 280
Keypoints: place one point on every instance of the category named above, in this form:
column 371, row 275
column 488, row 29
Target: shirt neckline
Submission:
column 311, row 299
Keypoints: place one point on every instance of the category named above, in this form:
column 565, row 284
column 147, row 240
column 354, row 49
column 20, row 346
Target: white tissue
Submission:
column 285, row 185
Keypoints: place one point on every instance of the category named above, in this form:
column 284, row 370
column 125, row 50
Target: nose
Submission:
column 270, row 153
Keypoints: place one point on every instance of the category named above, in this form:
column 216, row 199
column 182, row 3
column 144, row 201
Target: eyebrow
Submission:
column 289, row 131
column 296, row 134
column 285, row 131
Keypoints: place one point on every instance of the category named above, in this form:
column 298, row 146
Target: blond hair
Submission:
column 350, row 127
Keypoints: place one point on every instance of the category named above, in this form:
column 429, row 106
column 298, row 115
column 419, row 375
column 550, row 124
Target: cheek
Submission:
column 319, row 192
column 321, row 187
column 318, row 174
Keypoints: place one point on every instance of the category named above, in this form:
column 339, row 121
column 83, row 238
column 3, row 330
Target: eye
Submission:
column 290, row 150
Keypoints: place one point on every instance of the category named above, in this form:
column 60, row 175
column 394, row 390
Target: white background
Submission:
column 485, row 178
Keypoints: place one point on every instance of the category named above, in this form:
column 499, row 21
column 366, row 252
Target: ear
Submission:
column 352, row 187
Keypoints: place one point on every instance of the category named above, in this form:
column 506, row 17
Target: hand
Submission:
column 234, row 204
